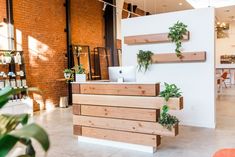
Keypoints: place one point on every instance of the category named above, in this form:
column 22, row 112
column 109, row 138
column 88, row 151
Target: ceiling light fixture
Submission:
column 211, row 3
column 104, row 7
column 180, row 4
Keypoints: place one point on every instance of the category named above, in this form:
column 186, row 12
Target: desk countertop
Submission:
column 107, row 82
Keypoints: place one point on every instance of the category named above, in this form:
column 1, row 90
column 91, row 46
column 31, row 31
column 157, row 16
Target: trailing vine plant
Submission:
column 167, row 120
column 176, row 34
column 144, row 59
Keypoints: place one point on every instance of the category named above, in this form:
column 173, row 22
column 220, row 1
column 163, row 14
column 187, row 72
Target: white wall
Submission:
column 119, row 4
column 226, row 46
column 196, row 80
column 3, row 36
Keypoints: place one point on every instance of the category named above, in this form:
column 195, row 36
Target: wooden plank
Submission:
column 75, row 88
column 120, row 89
column 186, row 57
column 77, row 130
column 120, row 136
column 150, row 38
column 76, row 109
column 128, row 101
column 125, row 125
column 122, row 113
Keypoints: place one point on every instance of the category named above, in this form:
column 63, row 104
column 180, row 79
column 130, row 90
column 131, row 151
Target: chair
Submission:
column 225, row 153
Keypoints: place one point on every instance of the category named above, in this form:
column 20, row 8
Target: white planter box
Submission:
column 80, row 78
column 7, row 59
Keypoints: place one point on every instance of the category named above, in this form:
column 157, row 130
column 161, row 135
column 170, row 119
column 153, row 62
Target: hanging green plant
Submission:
column 177, row 32
column 167, row 120
column 144, row 59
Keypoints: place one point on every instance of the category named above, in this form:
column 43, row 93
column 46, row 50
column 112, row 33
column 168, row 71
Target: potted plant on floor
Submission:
column 68, row 74
column 144, row 60
column 167, row 120
column 7, row 57
column 80, row 75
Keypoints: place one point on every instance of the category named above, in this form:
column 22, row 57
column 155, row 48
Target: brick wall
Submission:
column 2, row 10
column 87, row 27
column 40, row 33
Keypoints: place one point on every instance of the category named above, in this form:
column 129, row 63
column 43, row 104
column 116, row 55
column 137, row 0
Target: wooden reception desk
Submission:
column 122, row 112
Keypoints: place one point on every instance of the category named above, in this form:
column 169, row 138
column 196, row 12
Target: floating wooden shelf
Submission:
column 151, row 128
column 186, row 57
column 127, row 101
column 150, row 38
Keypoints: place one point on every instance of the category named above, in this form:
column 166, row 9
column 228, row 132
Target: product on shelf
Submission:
column 7, row 82
column 24, row 83
column 13, row 83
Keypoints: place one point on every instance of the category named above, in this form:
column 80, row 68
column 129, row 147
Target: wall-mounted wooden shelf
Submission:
column 150, row 38
column 186, row 57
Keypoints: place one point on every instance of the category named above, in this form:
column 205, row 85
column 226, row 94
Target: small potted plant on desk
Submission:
column 68, row 74
column 80, row 75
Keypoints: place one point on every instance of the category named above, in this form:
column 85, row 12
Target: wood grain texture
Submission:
column 75, row 88
column 121, row 136
column 128, row 101
column 150, row 38
column 152, row 128
column 120, row 89
column 77, row 130
column 186, row 57
column 76, row 109
column 121, row 113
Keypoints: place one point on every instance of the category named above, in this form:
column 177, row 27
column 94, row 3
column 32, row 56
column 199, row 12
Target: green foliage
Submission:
column 68, row 71
column 144, row 59
column 166, row 119
column 10, row 135
column 7, row 54
column 79, row 69
column 177, row 32
column 171, row 90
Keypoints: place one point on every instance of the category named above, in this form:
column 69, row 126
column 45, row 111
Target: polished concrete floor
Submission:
column 191, row 142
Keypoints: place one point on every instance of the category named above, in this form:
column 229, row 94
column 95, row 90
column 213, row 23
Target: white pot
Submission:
column 7, row 59
column 67, row 75
column 80, row 78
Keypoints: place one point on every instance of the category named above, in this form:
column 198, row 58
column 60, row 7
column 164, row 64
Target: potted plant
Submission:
column 68, row 74
column 177, row 32
column 15, row 130
column 167, row 120
column 171, row 90
column 80, row 75
column 144, row 59
column 7, row 57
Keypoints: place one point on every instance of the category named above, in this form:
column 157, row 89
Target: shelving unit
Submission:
column 13, row 73
column 150, row 38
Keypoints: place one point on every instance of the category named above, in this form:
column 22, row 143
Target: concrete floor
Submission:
column 191, row 142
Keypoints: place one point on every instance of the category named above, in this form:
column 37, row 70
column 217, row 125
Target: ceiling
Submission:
column 223, row 14
column 161, row 6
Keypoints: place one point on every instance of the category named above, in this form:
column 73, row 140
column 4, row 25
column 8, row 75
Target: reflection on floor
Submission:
column 192, row 142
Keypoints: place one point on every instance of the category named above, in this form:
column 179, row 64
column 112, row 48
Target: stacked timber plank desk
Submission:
column 123, row 112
